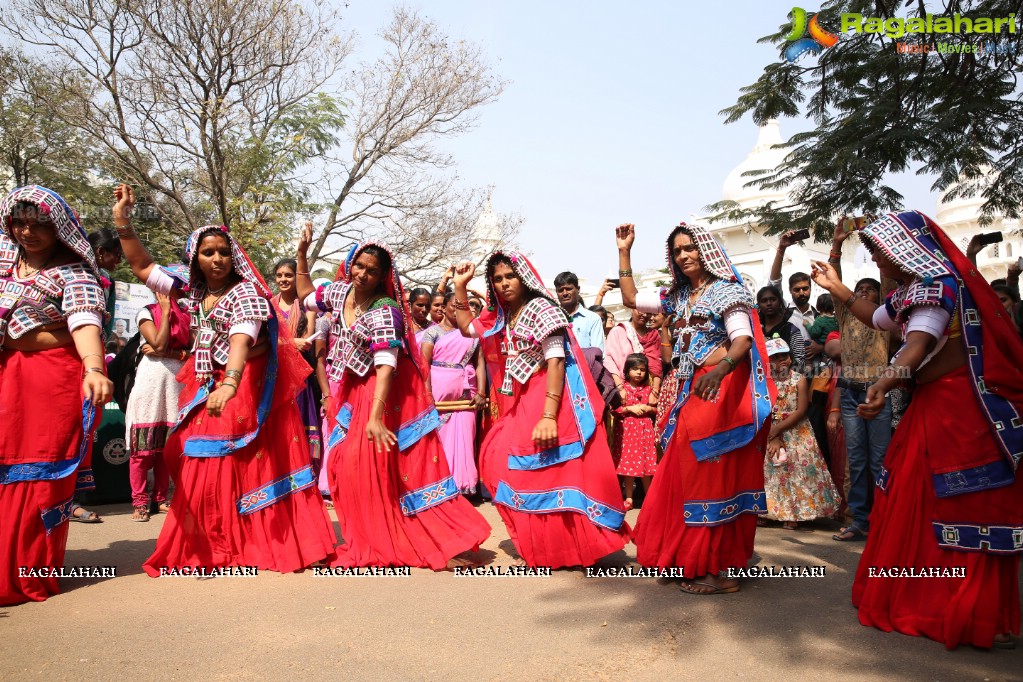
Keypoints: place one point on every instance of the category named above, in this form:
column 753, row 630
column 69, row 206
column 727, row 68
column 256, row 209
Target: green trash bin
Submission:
column 109, row 460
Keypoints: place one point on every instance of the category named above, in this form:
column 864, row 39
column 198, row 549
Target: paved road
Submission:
column 439, row 626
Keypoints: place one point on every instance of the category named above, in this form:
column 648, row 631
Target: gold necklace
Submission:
column 29, row 270
column 514, row 318
column 358, row 306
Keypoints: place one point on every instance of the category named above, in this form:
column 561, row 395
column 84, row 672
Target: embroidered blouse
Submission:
column 242, row 310
column 531, row 342
column 919, row 306
column 65, row 293
column 720, row 314
column 373, row 339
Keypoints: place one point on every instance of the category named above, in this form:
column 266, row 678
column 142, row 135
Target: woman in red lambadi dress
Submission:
column 244, row 486
column 395, row 497
column 950, row 495
column 51, row 378
column 701, row 511
column 546, row 460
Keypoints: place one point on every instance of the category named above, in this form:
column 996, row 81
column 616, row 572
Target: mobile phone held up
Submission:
column 853, row 224
column 615, row 282
column 800, row 235
column 987, row 238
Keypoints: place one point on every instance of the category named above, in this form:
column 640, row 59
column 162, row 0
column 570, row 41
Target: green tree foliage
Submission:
column 955, row 116
column 209, row 107
column 35, row 147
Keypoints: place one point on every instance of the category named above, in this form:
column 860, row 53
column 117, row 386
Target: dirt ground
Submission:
column 441, row 626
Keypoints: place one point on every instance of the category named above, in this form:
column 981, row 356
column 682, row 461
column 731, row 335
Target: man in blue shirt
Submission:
column 587, row 325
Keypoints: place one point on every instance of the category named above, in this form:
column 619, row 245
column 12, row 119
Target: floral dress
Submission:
column 800, row 488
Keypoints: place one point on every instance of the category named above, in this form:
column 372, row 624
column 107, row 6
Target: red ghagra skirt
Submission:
column 702, row 516
column 40, row 421
column 257, row 506
column 943, row 421
column 370, row 488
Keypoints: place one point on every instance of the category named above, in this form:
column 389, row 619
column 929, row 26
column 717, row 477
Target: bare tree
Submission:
column 390, row 180
column 211, row 105
column 430, row 241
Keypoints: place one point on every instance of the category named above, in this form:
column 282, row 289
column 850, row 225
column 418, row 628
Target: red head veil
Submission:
column 393, row 288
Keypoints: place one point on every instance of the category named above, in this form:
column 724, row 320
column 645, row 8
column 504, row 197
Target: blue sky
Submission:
column 610, row 115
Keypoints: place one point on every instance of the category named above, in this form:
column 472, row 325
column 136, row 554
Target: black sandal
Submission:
column 850, row 534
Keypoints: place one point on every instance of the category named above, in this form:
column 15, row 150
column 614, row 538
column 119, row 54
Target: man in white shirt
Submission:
column 587, row 325
column 801, row 313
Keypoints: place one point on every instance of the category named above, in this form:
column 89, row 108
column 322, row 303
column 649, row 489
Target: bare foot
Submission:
column 461, row 561
column 710, row 584
column 627, row 504
column 520, row 563
column 790, row 525
column 1004, row 641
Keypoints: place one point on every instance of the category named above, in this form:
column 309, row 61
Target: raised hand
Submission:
column 625, row 236
column 305, row 238
column 463, row 273
column 786, row 240
column 124, row 204
column 974, row 247
column 841, row 234
column 825, row 276
column 164, row 302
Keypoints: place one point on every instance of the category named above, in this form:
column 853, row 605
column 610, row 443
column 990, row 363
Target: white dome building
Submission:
column 752, row 252
column 486, row 240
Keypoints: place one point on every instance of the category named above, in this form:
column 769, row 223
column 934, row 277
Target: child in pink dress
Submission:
column 634, row 444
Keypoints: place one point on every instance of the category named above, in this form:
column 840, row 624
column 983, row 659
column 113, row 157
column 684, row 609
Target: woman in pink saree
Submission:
column 455, row 374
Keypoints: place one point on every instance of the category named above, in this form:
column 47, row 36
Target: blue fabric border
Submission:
column 585, row 421
column 85, row 481
column 582, row 405
column 411, row 431
column 997, row 474
column 264, row 496
column 56, row 515
column 428, row 496
column 54, row 471
column 560, row 500
column 726, row 441
column 722, row 443
column 972, row 537
column 717, row 512
column 197, row 446
column 344, row 420
column 546, row 458
column 882, row 479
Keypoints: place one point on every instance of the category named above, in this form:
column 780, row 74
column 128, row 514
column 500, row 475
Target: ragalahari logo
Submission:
column 818, row 40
